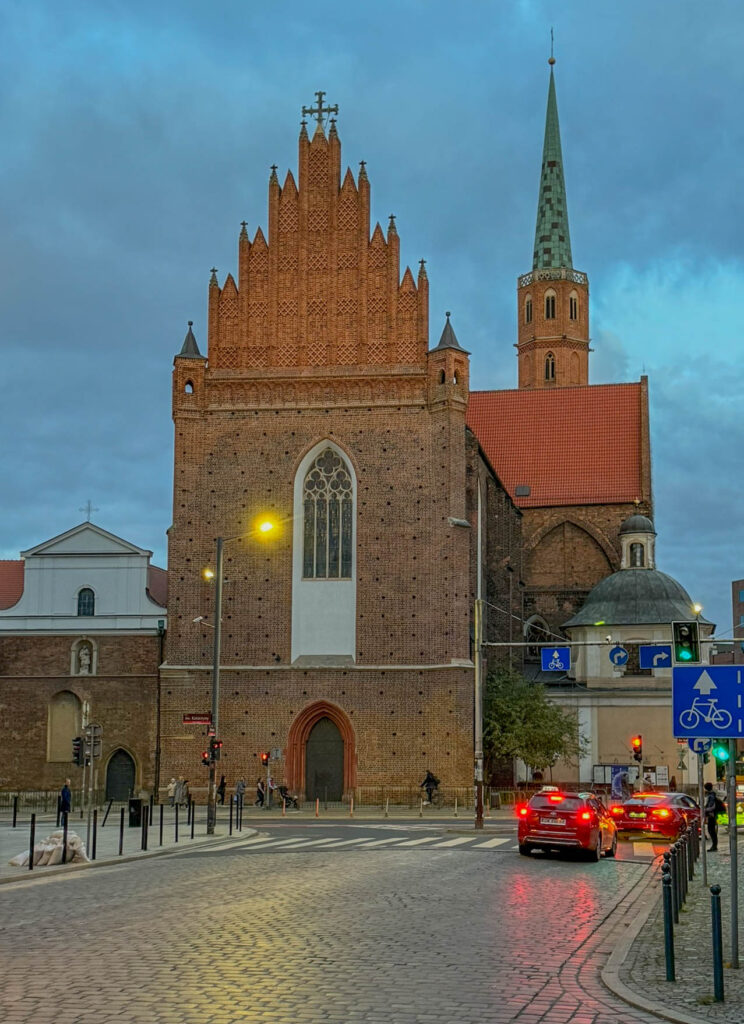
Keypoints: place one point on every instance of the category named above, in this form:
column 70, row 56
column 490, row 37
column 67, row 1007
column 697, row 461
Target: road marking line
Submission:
column 456, row 842
column 418, row 842
column 490, row 843
column 382, row 842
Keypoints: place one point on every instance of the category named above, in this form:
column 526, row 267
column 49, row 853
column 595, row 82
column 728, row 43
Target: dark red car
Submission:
column 554, row 819
column 661, row 815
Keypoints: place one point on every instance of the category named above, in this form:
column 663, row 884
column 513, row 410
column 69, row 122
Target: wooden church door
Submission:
column 120, row 776
column 324, row 762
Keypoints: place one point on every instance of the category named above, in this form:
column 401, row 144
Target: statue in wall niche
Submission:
column 84, row 660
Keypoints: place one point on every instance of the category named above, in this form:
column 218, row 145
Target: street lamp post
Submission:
column 212, row 795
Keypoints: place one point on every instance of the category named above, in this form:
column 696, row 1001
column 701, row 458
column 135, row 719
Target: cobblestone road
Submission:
column 400, row 936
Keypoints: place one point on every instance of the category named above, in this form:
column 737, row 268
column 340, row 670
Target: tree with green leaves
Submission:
column 520, row 721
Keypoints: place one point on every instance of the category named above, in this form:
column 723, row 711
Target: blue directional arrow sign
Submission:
column 700, row 746
column 708, row 701
column 655, row 655
column 618, row 655
column 555, row 659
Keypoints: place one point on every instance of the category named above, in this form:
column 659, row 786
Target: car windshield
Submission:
column 556, row 801
column 647, row 799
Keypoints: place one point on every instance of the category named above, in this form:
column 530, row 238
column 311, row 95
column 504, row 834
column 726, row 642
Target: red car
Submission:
column 662, row 815
column 554, row 819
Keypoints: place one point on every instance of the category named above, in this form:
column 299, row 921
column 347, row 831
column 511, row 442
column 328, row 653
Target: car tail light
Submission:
column 555, row 798
column 586, row 815
column 661, row 812
column 616, row 810
column 522, row 811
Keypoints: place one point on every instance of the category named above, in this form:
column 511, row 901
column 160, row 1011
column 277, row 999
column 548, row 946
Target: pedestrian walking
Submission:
column 430, row 784
column 65, row 798
column 272, row 787
column 186, row 793
column 221, row 790
column 172, row 792
column 239, row 791
column 178, row 797
column 260, row 792
column 712, row 808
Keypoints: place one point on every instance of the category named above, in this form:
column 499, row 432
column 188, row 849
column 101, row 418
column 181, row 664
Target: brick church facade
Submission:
column 400, row 495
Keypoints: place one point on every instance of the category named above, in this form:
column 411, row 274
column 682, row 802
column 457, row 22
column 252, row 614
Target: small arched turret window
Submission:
column 550, row 366
column 328, row 508
column 550, row 305
column 528, row 310
column 573, row 306
column 86, row 604
column 637, row 556
column 442, row 377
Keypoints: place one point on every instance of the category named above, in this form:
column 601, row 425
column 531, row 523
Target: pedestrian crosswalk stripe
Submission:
column 383, row 842
column 456, row 842
column 491, row 843
column 418, row 842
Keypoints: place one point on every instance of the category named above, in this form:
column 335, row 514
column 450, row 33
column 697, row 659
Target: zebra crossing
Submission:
column 297, row 844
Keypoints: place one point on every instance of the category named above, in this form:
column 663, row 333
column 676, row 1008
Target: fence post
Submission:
column 666, row 883
column 121, row 832
column 31, row 843
column 715, row 909
column 65, row 816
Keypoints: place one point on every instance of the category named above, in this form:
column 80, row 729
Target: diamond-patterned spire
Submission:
column 552, row 238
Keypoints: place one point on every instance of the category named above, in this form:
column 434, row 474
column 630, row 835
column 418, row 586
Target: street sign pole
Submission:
column 734, row 854
column 701, row 801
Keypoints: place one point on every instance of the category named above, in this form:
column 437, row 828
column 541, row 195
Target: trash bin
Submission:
column 135, row 813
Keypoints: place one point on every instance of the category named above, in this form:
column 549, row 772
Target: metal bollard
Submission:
column 693, row 855
column 351, row 807
column 121, row 832
column 317, row 806
column 15, row 810
column 105, row 817
column 32, row 843
column 161, row 825
column 193, row 817
column 188, row 811
column 387, row 801
column 669, row 860
column 715, row 911
column 59, row 811
column 240, row 813
column 176, row 825
column 676, row 876
column 95, row 834
column 683, row 866
column 143, row 833
column 65, row 816
column 231, row 814
column 666, row 889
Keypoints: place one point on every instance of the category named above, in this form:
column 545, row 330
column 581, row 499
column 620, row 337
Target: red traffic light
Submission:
column 205, row 757
column 265, row 757
column 636, row 743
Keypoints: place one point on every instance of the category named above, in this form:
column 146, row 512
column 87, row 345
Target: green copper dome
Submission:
column 635, row 597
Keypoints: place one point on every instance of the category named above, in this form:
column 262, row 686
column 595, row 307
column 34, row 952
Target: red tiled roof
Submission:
column 157, row 584
column 11, row 582
column 570, row 446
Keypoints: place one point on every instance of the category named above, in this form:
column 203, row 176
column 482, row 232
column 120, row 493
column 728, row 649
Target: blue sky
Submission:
column 137, row 136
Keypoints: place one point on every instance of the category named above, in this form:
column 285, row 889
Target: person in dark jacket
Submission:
column 260, row 792
column 221, row 790
column 711, row 809
column 430, row 784
column 65, row 798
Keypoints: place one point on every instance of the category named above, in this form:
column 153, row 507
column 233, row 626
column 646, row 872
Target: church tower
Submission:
column 553, row 299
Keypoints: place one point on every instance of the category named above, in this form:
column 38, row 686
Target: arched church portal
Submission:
column 120, row 774
column 321, row 753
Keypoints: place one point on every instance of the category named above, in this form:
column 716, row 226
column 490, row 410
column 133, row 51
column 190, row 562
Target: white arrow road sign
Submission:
column 704, row 684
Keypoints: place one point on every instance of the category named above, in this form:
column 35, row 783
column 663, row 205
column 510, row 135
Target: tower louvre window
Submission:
column 328, row 510
column 573, row 307
column 550, row 366
column 550, row 306
column 637, row 555
column 528, row 310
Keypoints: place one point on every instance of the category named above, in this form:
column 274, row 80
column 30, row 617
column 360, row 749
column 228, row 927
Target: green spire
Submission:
column 552, row 239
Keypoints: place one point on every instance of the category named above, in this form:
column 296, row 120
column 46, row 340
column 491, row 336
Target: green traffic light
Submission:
column 684, row 655
column 721, row 752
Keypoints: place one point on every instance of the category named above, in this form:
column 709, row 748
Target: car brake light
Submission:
column 523, row 810
column 617, row 810
column 586, row 815
column 662, row 812
column 556, row 799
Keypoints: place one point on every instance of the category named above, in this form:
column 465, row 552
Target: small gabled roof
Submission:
column 99, row 541
column 189, row 349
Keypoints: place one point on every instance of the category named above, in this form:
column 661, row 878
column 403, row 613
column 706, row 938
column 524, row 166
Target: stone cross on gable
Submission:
column 88, row 509
column 320, row 110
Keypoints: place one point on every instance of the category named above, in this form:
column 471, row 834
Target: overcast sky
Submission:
column 136, row 136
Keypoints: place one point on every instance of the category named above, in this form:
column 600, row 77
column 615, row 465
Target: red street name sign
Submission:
column 197, row 719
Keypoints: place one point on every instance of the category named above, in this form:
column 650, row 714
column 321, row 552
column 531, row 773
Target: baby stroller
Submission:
column 286, row 796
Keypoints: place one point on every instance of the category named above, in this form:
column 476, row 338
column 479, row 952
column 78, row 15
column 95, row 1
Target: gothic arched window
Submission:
column 328, row 509
column 573, row 306
column 550, row 366
column 536, row 633
column 528, row 310
column 86, row 602
column 550, row 305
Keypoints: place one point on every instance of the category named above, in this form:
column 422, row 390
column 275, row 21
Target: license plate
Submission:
column 552, row 821
column 636, row 814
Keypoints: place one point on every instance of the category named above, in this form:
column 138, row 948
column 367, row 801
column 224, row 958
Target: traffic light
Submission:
column 205, row 758
column 265, row 758
column 686, row 636
column 721, row 753
column 77, row 750
column 636, row 743
column 215, row 748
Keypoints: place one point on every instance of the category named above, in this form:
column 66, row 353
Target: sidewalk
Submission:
column 14, row 841
column 690, row 998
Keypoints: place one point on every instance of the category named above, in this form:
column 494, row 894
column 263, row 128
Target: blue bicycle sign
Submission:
column 708, row 701
column 555, row 659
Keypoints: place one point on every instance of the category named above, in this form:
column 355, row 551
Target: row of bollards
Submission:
column 677, row 871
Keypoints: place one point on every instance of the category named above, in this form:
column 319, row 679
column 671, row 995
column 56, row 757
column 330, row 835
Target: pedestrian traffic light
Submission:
column 215, row 748
column 686, row 637
column 77, row 750
column 205, row 757
column 265, row 757
column 636, row 743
